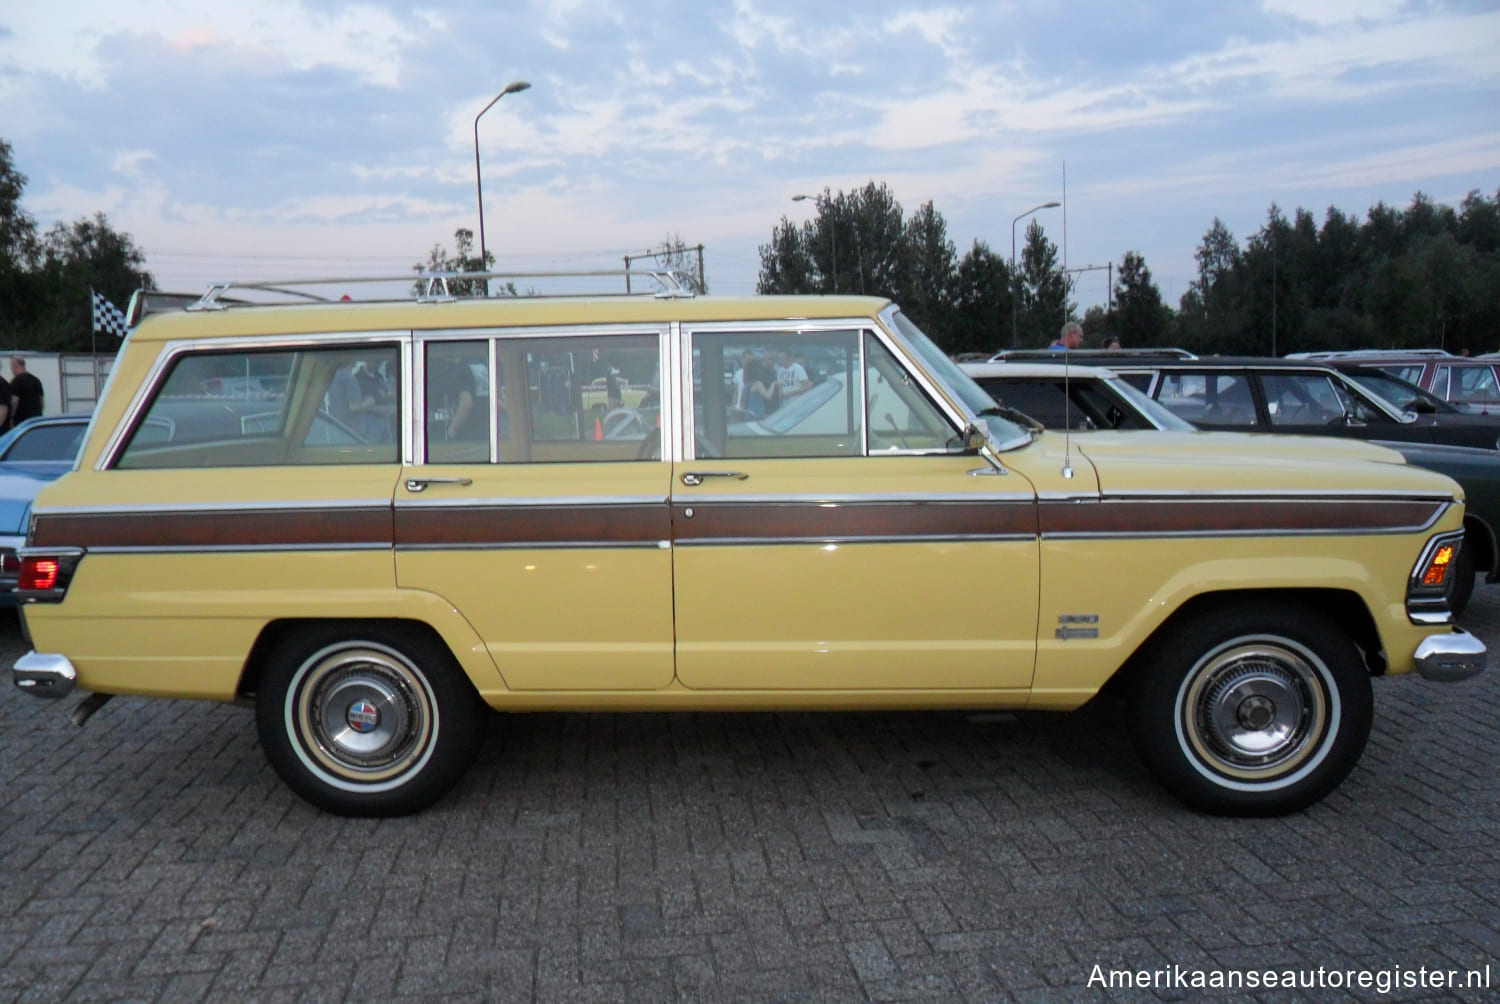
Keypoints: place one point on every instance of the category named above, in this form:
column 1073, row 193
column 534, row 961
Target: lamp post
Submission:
column 1014, row 279
column 484, row 258
column 833, row 240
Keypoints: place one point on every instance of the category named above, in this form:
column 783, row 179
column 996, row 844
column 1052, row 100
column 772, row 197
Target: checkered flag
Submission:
column 107, row 317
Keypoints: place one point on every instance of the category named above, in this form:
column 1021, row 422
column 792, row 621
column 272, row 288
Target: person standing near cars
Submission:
column 26, row 394
column 1069, row 339
column 5, row 405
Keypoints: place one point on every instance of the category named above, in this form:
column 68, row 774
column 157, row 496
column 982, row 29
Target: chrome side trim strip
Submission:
column 544, row 545
column 318, row 505
column 511, row 502
column 930, row 538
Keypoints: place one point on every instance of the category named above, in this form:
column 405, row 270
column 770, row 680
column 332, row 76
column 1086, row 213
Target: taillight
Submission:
column 39, row 573
column 45, row 573
column 9, row 563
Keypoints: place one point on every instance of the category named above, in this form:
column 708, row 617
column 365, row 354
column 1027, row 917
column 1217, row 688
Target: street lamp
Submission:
column 484, row 258
column 833, row 240
column 1015, row 284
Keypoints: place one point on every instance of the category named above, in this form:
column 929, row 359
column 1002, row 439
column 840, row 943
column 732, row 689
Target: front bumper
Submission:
column 44, row 675
column 1449, row 657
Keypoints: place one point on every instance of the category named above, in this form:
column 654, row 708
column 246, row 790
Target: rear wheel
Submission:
column 1253, row 711
column 367, row 719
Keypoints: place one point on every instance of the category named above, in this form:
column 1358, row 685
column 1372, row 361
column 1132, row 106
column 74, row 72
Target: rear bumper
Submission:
column 1449, row 657
column 44, row 675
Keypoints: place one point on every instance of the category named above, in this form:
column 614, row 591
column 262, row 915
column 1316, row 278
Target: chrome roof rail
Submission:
column 446, row 287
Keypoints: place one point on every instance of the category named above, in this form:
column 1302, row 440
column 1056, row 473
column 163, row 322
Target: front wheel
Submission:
column 1254, row 711
column 367, row 720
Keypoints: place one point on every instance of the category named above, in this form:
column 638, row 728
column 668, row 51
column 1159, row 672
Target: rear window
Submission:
column 272, row 408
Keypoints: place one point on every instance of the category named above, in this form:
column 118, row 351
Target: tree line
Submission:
column 45, row 277
column 1427, row 276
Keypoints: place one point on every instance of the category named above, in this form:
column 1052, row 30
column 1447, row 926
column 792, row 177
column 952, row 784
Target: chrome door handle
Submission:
column 696, row 477
column 415, row 485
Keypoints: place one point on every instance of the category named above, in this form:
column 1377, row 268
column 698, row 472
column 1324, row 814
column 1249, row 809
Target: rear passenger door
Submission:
column 537, row 502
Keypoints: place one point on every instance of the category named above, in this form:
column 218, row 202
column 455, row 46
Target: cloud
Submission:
column 73, row 40
column 1325, row 13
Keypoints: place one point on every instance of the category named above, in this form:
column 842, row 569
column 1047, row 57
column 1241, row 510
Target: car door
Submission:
column 1322, row 404
column 537, row 503
column 842, row 541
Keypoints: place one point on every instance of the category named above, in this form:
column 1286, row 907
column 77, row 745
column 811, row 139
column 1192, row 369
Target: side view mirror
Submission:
column 975, row 439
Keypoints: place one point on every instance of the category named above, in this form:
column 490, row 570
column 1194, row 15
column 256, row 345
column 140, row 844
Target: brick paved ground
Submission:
column 152, row 855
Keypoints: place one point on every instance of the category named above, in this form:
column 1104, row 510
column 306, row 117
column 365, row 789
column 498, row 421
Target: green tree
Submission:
column 926, row 291
column 786, row 264
column 18, row 253
column 982, row 300
column 86, row 255
column 1042, row 300
column 463, row 258
column 1140, row 316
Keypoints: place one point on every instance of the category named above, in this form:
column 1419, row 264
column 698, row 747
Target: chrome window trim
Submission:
column 785, row 326
column 942, row 396
column 492, row 336
column 171, row 351
column 852, row 499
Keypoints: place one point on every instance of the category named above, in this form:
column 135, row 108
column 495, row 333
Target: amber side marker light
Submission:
column 38, row 573
column 1438, row 565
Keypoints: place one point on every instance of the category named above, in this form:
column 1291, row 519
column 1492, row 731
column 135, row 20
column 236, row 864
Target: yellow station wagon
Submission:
column 372, row 519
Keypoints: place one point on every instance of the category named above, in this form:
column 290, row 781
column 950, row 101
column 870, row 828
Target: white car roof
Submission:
column 1028, row 369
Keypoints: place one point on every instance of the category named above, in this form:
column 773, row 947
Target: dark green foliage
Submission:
column 1427, row 276
column 45, row 281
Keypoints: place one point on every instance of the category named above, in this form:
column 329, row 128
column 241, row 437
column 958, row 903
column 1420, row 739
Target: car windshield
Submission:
column 1004, row 433
column 1396, row 391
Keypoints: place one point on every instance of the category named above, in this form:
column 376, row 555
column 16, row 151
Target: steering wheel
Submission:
column 623, row 423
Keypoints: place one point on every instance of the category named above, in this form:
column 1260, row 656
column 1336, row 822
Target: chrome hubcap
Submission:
column 1254, row 711
column 363, row 714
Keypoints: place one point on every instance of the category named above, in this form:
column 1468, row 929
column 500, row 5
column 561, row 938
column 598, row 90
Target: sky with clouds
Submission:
column 287, row 138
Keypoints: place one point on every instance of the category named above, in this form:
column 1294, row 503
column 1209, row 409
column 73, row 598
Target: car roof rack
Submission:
column 447, row 287
column 1089, row 357
column 1372, row 354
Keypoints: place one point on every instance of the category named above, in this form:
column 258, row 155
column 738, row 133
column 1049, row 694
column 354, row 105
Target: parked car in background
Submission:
column 1471, row 382
column 1272, row 397
column 32, row 455
column 46, row 438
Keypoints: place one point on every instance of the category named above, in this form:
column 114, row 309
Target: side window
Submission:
column 586, row 399
column 47, row 442
column 1041, row 399
column 457, row 392
column 270, row 408
column 777, row 394
column 1474, row 384
column 901, row 417
column 1301, row 399
column 1210, row 400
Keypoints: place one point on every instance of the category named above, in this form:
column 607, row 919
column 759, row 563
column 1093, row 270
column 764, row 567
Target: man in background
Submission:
column 1070, row 338
column 26, row 394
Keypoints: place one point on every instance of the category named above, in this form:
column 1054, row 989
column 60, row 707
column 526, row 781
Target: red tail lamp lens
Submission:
column 38, row 573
